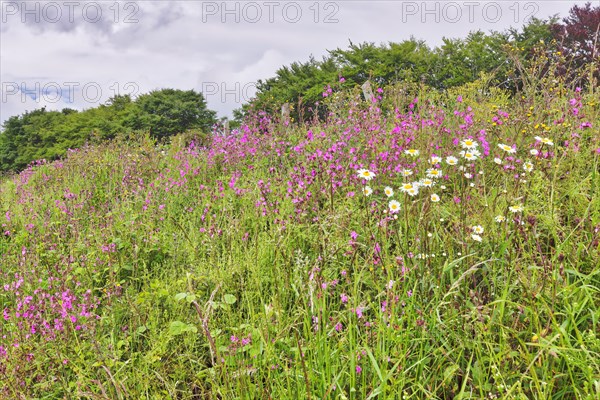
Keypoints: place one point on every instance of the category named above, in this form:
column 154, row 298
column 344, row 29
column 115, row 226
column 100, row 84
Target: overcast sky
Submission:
column 78, row 54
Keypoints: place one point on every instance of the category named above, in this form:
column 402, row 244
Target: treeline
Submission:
column 42, row 134
column 571, row 44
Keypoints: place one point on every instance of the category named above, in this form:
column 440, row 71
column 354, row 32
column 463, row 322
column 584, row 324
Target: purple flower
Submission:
column 359, row 313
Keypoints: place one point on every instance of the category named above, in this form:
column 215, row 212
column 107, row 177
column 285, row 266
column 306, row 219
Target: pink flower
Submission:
column 359, row 313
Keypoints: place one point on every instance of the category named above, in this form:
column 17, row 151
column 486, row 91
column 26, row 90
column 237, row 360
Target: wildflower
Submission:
column 470, row 154
column 528, row 166
column 534, row 152
column 389, row 192
column 411, row 188
column 507, row 148
column 500, row 218
column 476, row 237
column 451, row 160
column 435, row 198
column 469, row 144
column 365, row 174
column 359, row 313
column 478, row 229
column 358, row 370
column 411, row 152
column 435, row 160
column 468, row 175
column 434, row 173
column 367, row 191
column 498, row 161
column 406, row 172
column 547, row 141
column 394, row 206
column 516, row 208
column 426, row 182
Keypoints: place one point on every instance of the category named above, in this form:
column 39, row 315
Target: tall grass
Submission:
column 255, row 267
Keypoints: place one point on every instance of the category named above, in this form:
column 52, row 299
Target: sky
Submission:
column 78, row 54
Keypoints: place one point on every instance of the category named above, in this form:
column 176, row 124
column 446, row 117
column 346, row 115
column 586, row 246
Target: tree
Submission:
column 578, row 39
column 28, row 137
column 167, row 112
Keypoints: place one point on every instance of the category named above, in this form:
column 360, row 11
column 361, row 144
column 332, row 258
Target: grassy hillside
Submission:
column 274, row 263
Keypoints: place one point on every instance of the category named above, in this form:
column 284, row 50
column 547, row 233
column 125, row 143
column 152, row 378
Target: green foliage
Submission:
column 453, row 64
column 42, row 134
column 169, row 111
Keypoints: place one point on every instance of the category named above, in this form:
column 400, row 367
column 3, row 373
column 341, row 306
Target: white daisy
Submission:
column 365, row 174
column 426, row 182
column 470, row 154
column 478, row 229
column 547, row 141
column 507, row 148
column 516, row 208
column 394, row 206
column 451, row 160
column 410, row 188
column 433, row 173
column 469, row 144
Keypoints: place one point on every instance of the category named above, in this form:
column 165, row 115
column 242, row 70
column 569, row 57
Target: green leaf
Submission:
column 190, row 298
column 177, row 328
column 229, row 299
column 450, row 371
column 180, row 296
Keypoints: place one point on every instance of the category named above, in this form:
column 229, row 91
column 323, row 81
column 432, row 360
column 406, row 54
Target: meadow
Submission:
column 439, row 245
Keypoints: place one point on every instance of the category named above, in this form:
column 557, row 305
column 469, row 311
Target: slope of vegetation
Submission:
column 425, row 245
